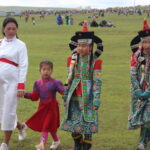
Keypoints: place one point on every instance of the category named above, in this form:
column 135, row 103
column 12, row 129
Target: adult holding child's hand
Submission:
column 13, row 70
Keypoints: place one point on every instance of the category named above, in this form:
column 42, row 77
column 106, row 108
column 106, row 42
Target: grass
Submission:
column 46, row 40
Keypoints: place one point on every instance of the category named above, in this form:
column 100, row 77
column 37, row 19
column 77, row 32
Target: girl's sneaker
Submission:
column 40, row 146
column 4, row 146
column 141, row 147
column 22, row 132
column 55, row 145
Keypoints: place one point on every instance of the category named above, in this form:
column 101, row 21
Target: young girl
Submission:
column 46, row 119
column 140, row 86
column 82, row 93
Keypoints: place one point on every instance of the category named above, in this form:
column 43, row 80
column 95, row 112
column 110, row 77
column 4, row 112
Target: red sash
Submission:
column 8, row 61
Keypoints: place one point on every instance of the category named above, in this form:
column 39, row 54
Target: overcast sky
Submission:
column 74, row 3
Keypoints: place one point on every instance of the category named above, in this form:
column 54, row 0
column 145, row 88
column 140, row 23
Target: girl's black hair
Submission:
column 8, row 20
column 46, row 62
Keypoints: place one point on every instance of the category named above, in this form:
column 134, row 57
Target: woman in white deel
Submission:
column 13, row 70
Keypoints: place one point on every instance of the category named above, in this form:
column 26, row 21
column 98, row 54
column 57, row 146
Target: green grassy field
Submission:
column 46, row 40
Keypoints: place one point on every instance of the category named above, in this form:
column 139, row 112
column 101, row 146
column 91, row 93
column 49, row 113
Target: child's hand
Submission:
column 145, row 95
column 139, row 94
column 65, row 104
column 95, row 108
column 20, row 94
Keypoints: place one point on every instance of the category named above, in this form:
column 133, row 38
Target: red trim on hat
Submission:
column 84, row 28
column 21, row 86
column 145, row 25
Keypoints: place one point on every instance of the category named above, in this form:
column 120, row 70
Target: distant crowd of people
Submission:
column 103, row 23
column 68, row 20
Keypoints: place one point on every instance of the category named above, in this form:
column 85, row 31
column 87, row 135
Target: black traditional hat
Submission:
column 144, row 33
column 135, row 43
column 87, row 37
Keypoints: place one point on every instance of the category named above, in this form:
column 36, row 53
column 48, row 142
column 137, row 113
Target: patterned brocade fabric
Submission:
column 82, row 94
column 140, row 81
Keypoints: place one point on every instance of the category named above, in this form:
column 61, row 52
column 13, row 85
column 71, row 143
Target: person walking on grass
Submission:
column 140, row 86
column 13, row 70
column 83, row 88
column 46, row 118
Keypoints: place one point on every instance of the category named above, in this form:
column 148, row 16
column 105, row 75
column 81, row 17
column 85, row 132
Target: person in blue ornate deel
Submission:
column 140, row 86
column 82, row 92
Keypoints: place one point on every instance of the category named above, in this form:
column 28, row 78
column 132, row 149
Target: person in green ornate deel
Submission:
column 83, row 88
column 140, row 86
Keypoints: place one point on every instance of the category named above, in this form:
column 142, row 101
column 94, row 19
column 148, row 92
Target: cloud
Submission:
column 74, row 3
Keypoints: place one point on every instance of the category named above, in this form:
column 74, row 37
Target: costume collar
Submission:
column 9, row 40
column 45, row 80
column 84, row 59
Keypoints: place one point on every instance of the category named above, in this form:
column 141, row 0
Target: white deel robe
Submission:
column 14, row 50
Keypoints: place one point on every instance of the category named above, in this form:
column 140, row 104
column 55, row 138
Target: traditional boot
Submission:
column 144, row 138
column 78, row 138
column 87, row 144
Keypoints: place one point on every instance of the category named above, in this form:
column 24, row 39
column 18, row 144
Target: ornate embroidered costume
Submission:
column 83, row 88
column 140, row 86
column 82, row 95
column 140, row 77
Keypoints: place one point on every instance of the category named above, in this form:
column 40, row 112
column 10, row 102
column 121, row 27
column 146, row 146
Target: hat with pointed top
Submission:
column 84, row 27
column 145, row 33
column 145, row 25
column 87, row 37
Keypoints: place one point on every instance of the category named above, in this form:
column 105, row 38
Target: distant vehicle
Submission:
column 3, row 14
column 14, row 13
column 18, row 13
column 10, row 13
